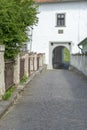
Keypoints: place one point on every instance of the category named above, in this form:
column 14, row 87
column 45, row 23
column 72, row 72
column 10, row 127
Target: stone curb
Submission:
column 5, row 105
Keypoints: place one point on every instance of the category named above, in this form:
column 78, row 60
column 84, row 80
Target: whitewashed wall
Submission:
column 46, row 31
column 80, row 62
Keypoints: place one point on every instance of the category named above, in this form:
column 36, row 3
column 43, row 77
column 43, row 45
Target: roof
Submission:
column 83, row 42
column 53, row 1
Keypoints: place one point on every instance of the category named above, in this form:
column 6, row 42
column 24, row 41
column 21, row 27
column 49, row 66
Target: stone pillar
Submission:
column 35, row 61
column 43, row 58
column 17, row 70
column 26, row 65
column 40, row 60
column 2, row 68
column 31, row 63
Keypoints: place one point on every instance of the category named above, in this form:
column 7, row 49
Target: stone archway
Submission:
column 60, row 58
column 56, row 54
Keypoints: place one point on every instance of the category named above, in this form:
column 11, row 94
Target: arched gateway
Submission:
column 56, row 55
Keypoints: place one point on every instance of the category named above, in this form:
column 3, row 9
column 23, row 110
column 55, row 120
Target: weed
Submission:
column 8, row 93
column 24, row 78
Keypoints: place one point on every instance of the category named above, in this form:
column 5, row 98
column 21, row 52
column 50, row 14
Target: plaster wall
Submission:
column 47, row 31
column 80, row 62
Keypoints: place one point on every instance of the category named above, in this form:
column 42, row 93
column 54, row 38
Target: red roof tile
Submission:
column 52, row 1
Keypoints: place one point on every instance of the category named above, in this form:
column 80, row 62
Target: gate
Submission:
column 9, row 74
column 33, row 63
column 29, row 65
column 22, row 68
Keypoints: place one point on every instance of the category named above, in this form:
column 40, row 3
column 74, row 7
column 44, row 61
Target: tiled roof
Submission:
column 52, row 1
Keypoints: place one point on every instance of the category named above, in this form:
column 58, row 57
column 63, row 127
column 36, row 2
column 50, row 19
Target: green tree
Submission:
column 15, row 17
column 66, row 55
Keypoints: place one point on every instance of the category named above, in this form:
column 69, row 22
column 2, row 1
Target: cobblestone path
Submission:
column 54, row 100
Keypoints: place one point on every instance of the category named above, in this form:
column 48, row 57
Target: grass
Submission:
column 8, row 93
column 24, row 79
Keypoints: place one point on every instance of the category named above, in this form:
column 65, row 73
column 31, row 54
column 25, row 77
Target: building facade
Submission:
column 61, row 24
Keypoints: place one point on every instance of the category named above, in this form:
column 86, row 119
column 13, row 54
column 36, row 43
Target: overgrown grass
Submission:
column 24, row 79
column 8, row 93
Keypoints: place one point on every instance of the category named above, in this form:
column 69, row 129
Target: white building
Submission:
column 61, row 23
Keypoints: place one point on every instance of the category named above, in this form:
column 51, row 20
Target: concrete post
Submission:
column 35, row 61
column 40, row 60
column 43, row 58
column 17, row 70
column 2, row 67
column 31, row 63
column 26, row 65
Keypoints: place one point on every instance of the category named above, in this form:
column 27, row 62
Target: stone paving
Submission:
column 53, row 100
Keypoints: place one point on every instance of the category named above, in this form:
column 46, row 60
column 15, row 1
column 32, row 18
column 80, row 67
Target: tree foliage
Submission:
column 66, row 55
column 15, row 17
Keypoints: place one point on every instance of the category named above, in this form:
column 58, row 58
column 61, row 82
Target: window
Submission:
column 60, row 20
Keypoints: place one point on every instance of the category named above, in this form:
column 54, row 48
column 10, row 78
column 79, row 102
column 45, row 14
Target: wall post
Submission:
column 2, row 69
column 31, row 63
column 43, row 58
column 26, row 65
column 40, row 60
column 35, row 61
column 17, row 70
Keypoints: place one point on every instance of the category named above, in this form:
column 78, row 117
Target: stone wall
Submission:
column 30, row 65
column 79, row 61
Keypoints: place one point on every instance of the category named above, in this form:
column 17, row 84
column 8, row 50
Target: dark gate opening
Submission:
column 21, row 68
column 61, row 58
column 29, row 65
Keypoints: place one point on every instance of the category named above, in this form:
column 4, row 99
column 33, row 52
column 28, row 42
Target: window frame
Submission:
column 61, row 20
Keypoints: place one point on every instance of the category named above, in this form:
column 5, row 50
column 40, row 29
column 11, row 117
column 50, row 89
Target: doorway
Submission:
column 60, row 58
